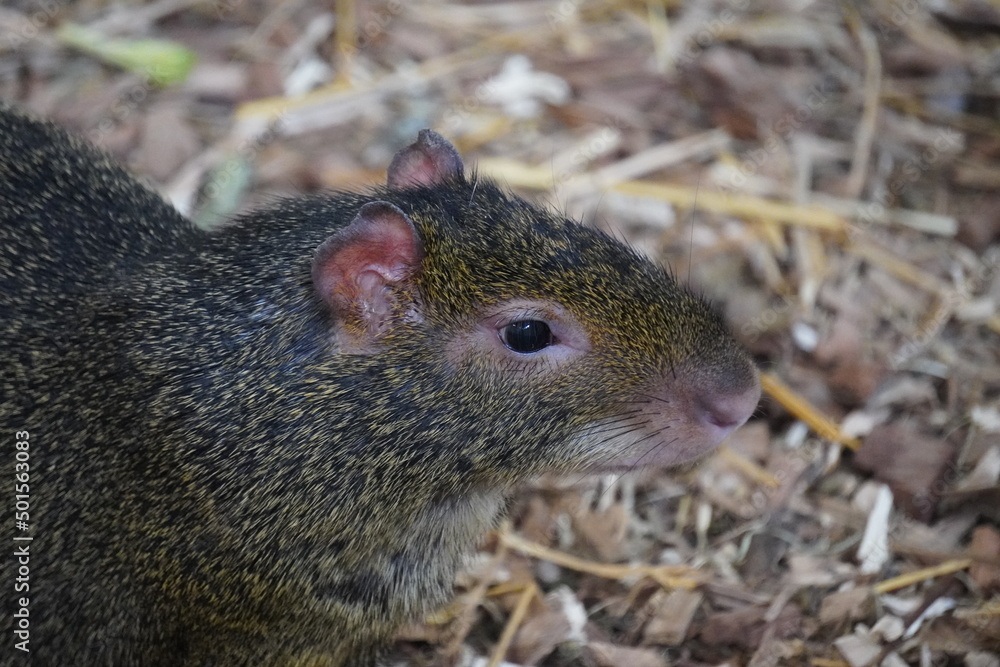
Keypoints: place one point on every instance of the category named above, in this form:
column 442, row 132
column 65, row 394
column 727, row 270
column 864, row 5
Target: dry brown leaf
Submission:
column 745, row 628
column 909, row 462
column 610, row 655
column 671, row 614
column 986, row 545
column 539, row 635
column 604, row 531
column 845, row 607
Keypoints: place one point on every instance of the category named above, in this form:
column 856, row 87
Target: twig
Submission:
column 801, row 409
column 865, row 136
column 513, row 623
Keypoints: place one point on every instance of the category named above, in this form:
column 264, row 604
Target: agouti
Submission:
column 272, row 444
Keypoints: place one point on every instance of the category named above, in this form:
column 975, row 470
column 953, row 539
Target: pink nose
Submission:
column 727, row 411
column 695, row 408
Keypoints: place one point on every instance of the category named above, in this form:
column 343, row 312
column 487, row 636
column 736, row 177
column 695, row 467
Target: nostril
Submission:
column 723, row 413
column 728, row 411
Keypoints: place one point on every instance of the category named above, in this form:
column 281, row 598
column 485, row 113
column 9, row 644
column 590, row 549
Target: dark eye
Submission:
column 526, row 336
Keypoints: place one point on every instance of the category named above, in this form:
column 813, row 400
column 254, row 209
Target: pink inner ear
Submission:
column 428, row 161
column 353, row 266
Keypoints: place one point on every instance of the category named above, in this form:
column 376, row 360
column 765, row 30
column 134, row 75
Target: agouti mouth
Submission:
column 681, row 421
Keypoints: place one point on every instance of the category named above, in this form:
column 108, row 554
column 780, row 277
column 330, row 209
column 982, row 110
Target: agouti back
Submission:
column 272, row 444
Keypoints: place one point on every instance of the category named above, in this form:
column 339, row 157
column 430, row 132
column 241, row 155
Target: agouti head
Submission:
column 549, row 345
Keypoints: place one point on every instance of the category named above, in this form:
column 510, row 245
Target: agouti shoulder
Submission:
column 274, row 443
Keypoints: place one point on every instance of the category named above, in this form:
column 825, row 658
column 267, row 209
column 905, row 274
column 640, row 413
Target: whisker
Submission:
column 627, row 424
column 603, row 436
column 652, row 449
column 654, row 399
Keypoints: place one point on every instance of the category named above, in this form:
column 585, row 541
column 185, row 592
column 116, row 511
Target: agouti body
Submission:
column 272, row 444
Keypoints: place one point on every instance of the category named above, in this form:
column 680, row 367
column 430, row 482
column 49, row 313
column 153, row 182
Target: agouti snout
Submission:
column 274, row 443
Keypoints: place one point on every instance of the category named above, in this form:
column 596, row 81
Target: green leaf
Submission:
column 161, row 61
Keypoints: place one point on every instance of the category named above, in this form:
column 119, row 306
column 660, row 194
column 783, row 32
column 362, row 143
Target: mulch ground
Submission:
column 828, row 173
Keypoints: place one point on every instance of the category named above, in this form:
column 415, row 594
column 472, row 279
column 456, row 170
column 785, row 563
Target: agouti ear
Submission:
column 428, row 161
column 364, row 272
